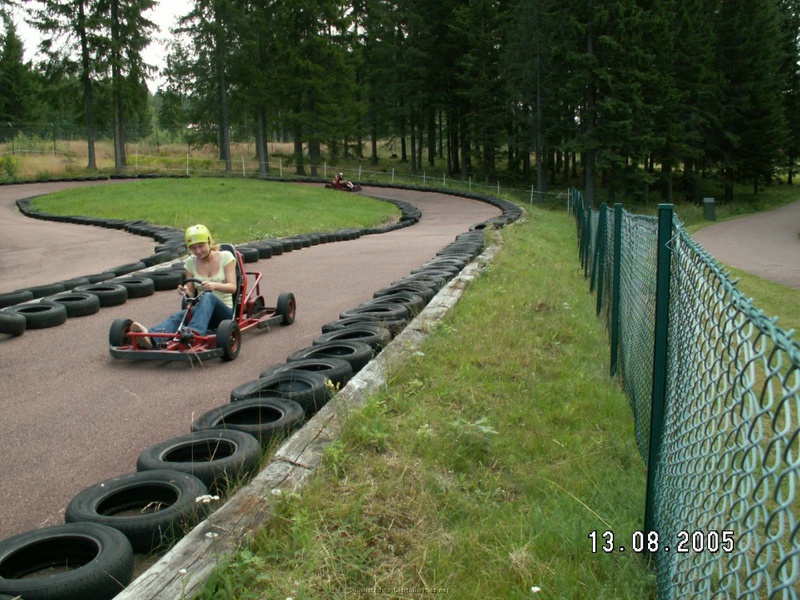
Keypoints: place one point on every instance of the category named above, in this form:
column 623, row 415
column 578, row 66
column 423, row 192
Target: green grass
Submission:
column 483, row 466
column 236, row 210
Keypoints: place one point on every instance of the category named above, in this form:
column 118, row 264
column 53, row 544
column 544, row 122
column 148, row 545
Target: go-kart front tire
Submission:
column 229, row 339
column 118, row 333
column 287, row 307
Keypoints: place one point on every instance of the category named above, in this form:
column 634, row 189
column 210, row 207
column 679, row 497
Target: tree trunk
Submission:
column 88, row 92
column 120, row 161
column 262, row 151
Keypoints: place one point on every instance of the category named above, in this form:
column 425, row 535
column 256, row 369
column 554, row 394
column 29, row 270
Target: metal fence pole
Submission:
column 615, row 287
column 599, row 267
column 664, row 259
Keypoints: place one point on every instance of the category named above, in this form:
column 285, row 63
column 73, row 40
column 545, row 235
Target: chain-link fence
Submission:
column 715, row 390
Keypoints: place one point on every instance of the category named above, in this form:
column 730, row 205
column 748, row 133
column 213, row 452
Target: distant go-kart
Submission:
column 249, row 311
column 344, row 185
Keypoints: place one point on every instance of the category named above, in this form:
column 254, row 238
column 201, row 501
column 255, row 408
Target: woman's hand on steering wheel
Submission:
column 198, row 288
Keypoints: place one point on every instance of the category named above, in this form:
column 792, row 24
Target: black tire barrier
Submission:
column 40, row 315
column 12, row 324
column 263, row 418
column 306, row 388
column 138, row 287
column 159, row 258
column 75, row 561
column 78, row 304
column 218, row 458
column 337, row 370
column 12, row 298
column 110, row 294
column 151, row 508
column 374, row 336
column 357, row 354
column 436, row 279
column 394, row 326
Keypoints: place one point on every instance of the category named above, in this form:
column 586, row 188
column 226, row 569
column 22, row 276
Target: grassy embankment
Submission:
column 485, row 464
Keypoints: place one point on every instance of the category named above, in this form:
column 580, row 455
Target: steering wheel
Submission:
column 199, row 290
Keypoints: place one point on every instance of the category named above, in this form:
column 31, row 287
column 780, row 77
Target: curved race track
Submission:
column 72, row 416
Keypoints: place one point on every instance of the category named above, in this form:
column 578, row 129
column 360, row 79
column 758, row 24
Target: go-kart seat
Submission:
column 237, row 295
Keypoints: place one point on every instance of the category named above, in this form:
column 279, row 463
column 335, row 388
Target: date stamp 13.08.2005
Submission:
column 652, row 543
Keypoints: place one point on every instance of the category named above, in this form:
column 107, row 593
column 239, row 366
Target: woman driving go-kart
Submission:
column 209, row 269
column 219, row 302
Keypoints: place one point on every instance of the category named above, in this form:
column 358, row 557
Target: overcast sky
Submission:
column 164, row 15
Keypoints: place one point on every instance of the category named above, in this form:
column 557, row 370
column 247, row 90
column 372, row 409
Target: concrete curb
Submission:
column 182, row 571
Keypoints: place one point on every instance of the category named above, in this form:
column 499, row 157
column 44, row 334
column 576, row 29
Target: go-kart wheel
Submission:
column 229, row 338
column 258, row 307
column 287, row 307
column 118, row 334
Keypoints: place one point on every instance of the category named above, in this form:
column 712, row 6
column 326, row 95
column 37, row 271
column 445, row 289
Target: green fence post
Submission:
column 615, row 285
column 600, row 254
column 664, row 259
column 587, row 243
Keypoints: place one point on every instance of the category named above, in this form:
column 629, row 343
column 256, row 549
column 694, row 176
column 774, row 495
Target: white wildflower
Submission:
column 206, row 499
column 276, row 492
column 536, row 590
column 211, row 535
column 182, row 572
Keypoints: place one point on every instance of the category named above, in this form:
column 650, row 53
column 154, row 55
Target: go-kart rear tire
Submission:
column 229, row 339
column 118, row 333
column 287, row 307
column 90, row 560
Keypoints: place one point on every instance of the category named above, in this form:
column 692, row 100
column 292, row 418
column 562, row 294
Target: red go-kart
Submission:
column 249, row 311
column 344, row 185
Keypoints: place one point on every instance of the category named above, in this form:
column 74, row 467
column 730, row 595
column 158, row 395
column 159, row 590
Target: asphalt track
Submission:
column 764, row 244
column 73, row 416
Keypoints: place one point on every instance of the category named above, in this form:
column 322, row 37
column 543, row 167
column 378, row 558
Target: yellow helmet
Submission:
column 197, row 234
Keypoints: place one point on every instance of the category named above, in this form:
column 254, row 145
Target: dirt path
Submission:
column 765, row 244
column 72, row 416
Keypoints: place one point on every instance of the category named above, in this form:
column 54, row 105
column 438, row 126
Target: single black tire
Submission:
column 229, row 338
column 40, row 315
column 337, row 370
column 138, row 287
column 40, row 291
column 420, row 288
column 383, row 310
column 110, row 294
column 12, row 324
column 66, row 562
column 70, row 284
column 287, row 307
column 78, row 304
column 263, row 418
column 164, row 279
column 374, row 336
column 118, row 332
column 216, row 457
column 99, row 277
column 413, row 302
column 394, row 326
column 306, row 388
column 249, row 255
column 12, row 298
column 151, row 508
column 127, row 268
column 358, row 354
